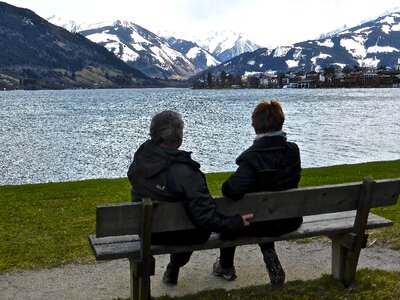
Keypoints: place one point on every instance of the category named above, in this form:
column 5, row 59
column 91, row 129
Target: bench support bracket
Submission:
column 346, row 248
column 141, row 269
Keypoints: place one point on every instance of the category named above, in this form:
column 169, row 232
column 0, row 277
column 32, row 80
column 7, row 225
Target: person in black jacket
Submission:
column 162, row 172
column 270, row 164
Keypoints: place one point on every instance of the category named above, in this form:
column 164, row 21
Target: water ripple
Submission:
column 50, row 136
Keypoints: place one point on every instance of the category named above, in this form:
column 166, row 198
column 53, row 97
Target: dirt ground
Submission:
column 110, row 280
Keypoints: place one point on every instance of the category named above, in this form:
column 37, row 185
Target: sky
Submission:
column 265, row 22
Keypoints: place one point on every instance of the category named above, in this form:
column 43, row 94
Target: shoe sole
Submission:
column 169, row 282
column 226, row 277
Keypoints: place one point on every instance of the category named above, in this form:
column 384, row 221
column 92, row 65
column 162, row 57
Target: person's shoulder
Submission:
column 185, row 157
column 187, row 173
column 184, row 162
column 292, row 145
column 246, row 154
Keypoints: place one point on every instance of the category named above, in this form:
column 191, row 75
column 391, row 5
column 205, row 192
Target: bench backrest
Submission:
column 126, row 218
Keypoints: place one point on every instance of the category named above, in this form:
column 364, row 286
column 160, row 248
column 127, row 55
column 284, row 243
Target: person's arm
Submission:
column 239, row 182
column 202, row 210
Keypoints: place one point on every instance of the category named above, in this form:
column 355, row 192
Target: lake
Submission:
column 52, row 136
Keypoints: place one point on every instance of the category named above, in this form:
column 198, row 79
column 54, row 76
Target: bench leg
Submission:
column 344, row 262
column 346, row 248
column 144, row 288
column 134, row 271
column 140, row 278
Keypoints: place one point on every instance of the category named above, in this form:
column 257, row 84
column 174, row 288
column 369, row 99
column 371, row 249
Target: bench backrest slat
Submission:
column 124, row 219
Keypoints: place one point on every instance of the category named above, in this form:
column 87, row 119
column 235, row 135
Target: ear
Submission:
column 255, row 129
column 180, row 136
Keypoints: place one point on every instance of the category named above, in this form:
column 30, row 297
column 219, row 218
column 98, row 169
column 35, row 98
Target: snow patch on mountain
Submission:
column 138, row 39
column 386, row 29
column 297, row 53
column 103, row 37
column 396, row 27
column 365, row 30
column 327, row 43
column 128, row 54
column 193, row 52
column 355, row 48
column 379, row 49
column 388, row 20
column 292, row 63
column 281, row 51
column 69, row 25
column 319, row 56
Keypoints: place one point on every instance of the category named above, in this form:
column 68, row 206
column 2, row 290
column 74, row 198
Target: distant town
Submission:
column 331, row 77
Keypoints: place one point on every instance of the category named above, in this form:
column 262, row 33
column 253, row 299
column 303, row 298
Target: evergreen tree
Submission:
column 223, row 77
column 209, row 80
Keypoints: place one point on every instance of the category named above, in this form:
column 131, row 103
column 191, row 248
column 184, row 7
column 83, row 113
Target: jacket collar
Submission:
column 267, row 142
column 271, row 133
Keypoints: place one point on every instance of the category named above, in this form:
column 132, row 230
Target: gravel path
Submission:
column 110, row 280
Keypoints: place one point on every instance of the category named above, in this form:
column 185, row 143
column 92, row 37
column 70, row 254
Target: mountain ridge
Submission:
column 37, row 54
column 373, row 44
column 141, row 49
column 121, row 53
column 155, row 55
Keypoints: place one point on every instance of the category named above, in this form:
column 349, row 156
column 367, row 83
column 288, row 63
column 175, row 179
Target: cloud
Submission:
column 210, row 9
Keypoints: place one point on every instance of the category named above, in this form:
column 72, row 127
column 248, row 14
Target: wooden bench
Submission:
column 341, row 212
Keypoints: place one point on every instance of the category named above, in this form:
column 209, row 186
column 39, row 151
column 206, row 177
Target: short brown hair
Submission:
column 267, row 116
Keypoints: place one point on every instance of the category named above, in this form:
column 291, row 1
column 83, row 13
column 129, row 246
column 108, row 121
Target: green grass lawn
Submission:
column 44, row 225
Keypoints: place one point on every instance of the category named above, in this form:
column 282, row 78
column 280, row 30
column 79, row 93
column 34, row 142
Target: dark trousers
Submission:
column 270, row 228
column 184, row 237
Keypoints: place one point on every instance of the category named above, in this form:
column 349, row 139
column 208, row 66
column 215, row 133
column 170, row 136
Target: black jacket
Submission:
column 171, row 175
column 270, row 164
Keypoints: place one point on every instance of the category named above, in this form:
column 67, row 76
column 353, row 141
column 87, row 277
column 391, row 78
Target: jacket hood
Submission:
column 151, row 159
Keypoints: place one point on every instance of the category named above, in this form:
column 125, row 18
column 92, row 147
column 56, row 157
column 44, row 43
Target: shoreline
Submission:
column 365, row 163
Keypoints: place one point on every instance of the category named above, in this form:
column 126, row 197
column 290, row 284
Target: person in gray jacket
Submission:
column 270, row 164
column 162, row 172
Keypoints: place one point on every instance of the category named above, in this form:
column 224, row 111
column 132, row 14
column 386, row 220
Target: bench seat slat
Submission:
column 317, row 225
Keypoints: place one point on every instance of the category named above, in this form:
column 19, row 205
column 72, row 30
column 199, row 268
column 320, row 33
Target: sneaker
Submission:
column 275, row 270
column 228, row 274
column 171, row 275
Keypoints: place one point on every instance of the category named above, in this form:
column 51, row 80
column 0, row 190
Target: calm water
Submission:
column 80, row 134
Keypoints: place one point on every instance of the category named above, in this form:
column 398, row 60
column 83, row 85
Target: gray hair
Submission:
column 166, row 127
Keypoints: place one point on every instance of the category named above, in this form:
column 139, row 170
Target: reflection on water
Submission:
column 81, row 134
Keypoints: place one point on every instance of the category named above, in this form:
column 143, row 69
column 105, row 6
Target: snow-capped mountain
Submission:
column 164, row 57
column 70, row 25
column 371, row 44
column 153, row 55
column 197, row 55
column 225, row 45
column 141, row 49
